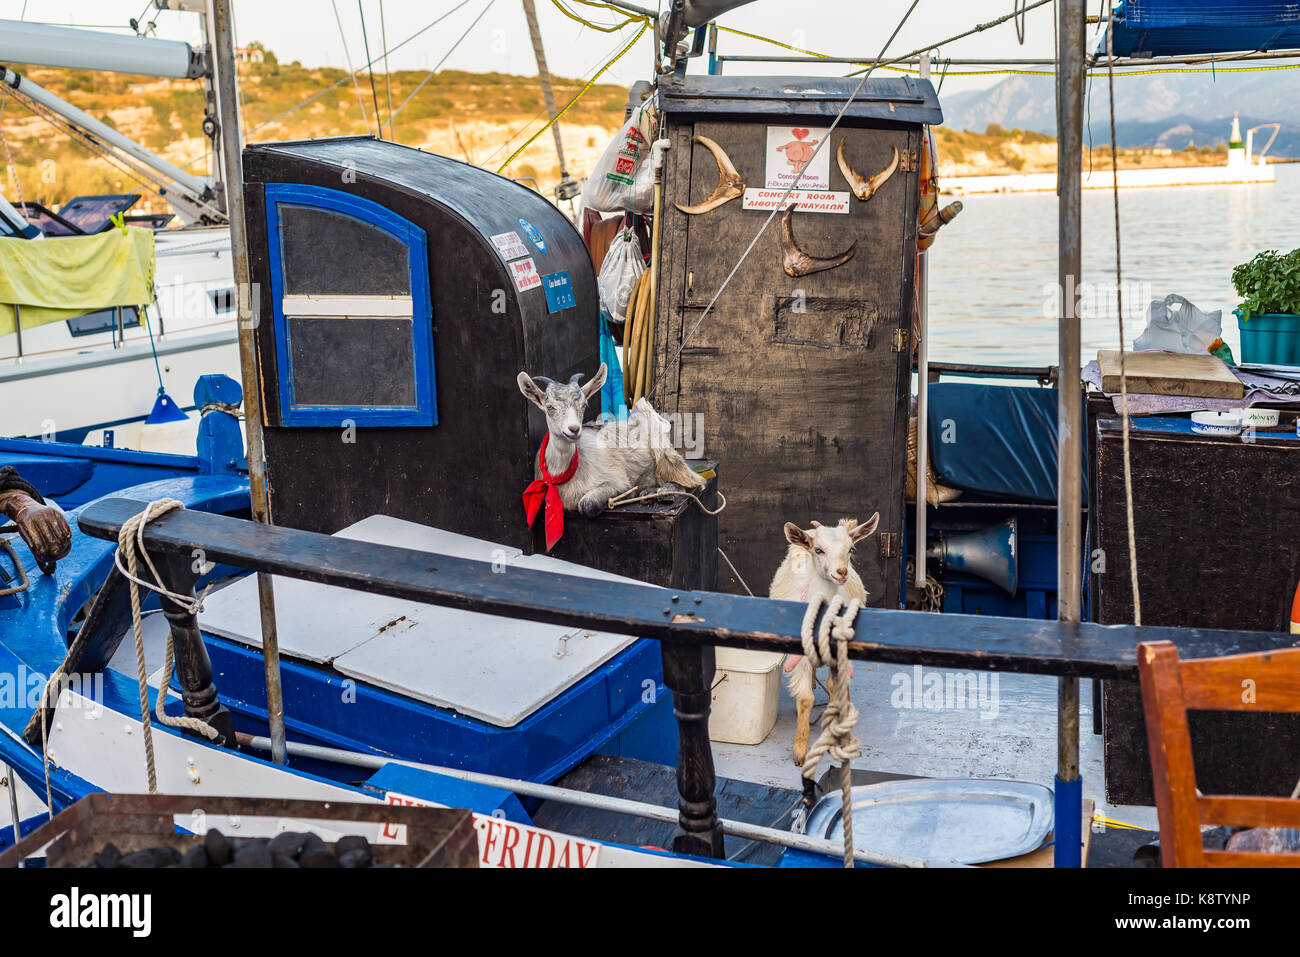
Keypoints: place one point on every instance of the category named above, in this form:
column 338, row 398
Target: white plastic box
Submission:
column 746, row 693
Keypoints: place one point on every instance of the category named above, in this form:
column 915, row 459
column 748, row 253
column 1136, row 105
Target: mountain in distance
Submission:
column 1166, row 109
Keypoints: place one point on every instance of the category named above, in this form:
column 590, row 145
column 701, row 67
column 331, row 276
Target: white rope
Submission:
column 840, row 717
column 130, row 539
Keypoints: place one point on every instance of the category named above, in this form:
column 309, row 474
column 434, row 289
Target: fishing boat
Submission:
column 86, row 356
column 360, row 613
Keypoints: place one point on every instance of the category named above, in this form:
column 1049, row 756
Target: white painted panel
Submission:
column 340, row 307
column 499, row 670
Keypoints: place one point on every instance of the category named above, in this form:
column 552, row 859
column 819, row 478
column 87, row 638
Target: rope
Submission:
column 130, row 539
column 621, row 499
column 438, row 66
column 1123, row 378
column 645, row 24
column 839, row 717
column 7, row 546
column 230, row 408
column 9, row 160
column 735, row 571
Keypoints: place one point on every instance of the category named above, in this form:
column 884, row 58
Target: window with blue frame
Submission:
column 353, row 330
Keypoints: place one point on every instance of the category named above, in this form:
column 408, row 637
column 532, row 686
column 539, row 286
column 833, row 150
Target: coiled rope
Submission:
column 130, row 540
column 840, row 716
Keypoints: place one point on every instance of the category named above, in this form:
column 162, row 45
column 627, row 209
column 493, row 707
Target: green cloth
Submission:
column 56, row 279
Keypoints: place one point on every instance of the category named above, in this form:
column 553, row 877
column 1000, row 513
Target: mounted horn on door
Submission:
column 730, row 185
column 797, row 262
column 864, row 189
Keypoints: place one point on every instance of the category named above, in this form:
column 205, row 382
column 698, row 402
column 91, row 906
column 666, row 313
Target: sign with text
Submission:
column 808, row 201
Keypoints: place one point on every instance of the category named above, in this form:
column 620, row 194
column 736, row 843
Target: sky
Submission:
column 307, row 30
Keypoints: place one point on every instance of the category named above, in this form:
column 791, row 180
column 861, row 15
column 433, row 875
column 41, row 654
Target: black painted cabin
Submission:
column 412, row 410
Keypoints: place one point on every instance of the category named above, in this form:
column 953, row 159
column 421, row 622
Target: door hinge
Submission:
column 888, row 545
column 902, row 338
column 907, row 160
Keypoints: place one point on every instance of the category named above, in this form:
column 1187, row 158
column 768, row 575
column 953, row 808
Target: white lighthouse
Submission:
column 1236, row 148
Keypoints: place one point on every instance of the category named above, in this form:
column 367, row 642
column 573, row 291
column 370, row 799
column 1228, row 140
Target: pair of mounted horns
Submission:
column 730, row 185
column 864, row 189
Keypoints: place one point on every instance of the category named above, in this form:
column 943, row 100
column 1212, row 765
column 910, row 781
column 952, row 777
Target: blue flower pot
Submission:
column 1270, row 338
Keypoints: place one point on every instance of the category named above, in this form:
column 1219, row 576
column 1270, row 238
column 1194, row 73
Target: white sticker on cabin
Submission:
column 808, row 201
column 524, row 274
column 503, row 843
column 790, row 152
column 509, row 245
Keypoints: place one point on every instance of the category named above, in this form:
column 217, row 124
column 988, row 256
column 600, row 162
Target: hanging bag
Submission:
column 619, row 272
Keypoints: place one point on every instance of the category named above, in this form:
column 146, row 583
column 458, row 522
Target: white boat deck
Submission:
column 1017, row 740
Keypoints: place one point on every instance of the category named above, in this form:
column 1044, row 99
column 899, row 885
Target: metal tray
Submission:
column 957, row 819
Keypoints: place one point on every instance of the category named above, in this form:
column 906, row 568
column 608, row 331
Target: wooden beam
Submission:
column 691, row 617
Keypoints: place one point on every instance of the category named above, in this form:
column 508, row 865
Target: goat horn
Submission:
column 864, row 189
column 542, row 382
column 730, row 185
column 574, row 379
column 797, row 262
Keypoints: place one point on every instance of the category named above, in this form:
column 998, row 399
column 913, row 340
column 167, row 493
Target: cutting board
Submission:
column 1170, row 373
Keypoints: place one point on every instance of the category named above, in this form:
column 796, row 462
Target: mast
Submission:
column 567, row 189
column 1069, row 506
column 223, row 52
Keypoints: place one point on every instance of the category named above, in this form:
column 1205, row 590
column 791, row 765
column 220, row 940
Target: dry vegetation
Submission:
column 479, row 117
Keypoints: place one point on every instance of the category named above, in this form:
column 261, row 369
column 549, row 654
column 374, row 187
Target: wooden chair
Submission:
column 1268, row 681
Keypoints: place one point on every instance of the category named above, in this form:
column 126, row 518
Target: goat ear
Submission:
column 532, row 392
column 596, row 382
column 797, row 536
column 866, row 528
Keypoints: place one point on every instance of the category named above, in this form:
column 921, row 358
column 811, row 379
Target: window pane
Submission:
column 333, row 254
column 366, row 363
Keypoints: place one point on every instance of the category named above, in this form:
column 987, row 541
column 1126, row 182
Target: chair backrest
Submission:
column 1267, row 681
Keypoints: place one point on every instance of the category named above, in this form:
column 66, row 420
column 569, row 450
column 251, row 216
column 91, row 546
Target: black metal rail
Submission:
column 693, row 618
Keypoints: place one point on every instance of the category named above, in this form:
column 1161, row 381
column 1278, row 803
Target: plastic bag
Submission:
column 619, row 272
column 1174, row 324
column 623, row 179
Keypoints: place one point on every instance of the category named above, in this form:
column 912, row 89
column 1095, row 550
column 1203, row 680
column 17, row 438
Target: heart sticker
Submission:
column 799, row 134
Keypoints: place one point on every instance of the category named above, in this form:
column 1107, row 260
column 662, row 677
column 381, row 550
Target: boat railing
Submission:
column 688, row 624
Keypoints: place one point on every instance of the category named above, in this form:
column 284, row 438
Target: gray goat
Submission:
column 612, row 456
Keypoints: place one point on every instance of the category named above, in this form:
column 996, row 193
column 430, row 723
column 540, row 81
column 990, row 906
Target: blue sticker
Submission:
column 531, row 231
column 559, row 291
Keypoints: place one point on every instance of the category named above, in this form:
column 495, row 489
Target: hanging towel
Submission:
column 56, row 279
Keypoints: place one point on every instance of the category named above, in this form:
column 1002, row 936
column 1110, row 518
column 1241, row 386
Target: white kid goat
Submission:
column 818, row 562
column 612, row 456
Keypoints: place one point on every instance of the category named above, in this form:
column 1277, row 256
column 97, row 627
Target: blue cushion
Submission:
column 995, row 439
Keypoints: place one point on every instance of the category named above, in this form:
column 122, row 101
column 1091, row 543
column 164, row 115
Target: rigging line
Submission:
column 780, row 204
column 348, row 59
column 438, row 65
column 979, row 28
column 596, row 26
column 374, row 96
column 388, row 74
column 590, row 83
column 1123, row 379
column 339, row 82
column 542, row 112
column 1018, row 10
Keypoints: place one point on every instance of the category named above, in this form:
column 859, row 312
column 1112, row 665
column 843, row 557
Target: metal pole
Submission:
column 550, row 792
column 18, row 328
column 11, row 782
column 223, row 51
column 922, row 387
column 544, row 75
column 1069, row 178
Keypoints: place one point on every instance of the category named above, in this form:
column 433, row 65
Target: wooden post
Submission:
column 193, row 667
column 688, row 671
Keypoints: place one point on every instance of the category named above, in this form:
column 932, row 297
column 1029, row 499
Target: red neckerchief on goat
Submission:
column 543, row 491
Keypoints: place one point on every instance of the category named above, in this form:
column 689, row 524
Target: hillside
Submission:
column 479, row 117
column 1170, row 110
column 997, row 150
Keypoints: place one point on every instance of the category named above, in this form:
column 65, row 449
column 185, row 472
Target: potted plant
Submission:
column 1269, row 315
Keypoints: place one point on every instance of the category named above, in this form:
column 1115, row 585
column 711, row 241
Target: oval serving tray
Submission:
column 965, row 820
